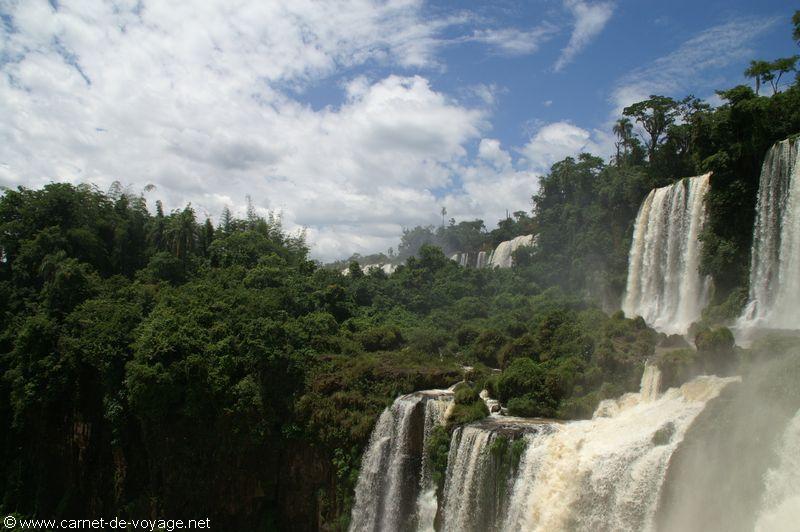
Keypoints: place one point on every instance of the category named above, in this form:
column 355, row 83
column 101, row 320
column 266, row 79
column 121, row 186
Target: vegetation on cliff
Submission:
column 154, row 364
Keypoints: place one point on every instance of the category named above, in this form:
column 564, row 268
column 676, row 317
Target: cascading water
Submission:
column 780, row 505
column 664, row 285
column 607, row 473
column 480, row 473
column 394, row 468
column 482, row 260
column 775, row 257
column 427, row 504
column 503, row 254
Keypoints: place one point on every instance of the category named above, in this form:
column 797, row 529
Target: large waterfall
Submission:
column 775, row 261
column 664, row 284
column 607, row 473
column 600, row 474
column 395, row 473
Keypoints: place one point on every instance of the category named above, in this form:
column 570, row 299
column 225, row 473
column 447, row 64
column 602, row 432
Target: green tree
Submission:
column 655, row 115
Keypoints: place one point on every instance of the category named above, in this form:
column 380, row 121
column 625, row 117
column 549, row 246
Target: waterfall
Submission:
column 780, row 506
column 387, row 268
column 651, row 382
column 502, row 257
column 606, row 473
column 664, row 285
column 479, row 473
column 482, row 260
column 775, row 255
column 427, row 504
column 394, row 465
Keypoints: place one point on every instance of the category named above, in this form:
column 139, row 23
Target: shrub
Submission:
column 466, row 335
column 462, row 414
column 380, row 338
column 487, row 347
column 525, row 346
column 715, row 348
column 466, row 395
column 438, row 448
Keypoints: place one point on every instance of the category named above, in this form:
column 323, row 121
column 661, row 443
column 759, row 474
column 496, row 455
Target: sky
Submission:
column 353, row 119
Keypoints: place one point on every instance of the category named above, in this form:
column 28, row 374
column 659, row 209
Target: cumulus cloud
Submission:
column 696, row 63
column 491, row 185
column 589, row 21
column 196, row 98
column 557, row 140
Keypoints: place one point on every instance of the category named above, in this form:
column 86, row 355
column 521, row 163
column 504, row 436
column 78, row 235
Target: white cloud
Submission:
column 196, row 99
column 590, row 19
column 557, row 140
column 512, row 41
column 490, row 151
column 695, row 64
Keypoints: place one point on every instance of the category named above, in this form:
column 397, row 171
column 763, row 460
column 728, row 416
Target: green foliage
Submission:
column 487, row 347
column 467, row 413
column 716, row 349
column 438, row 448
column 187, row 368
column 382, row 338
column 466, row 395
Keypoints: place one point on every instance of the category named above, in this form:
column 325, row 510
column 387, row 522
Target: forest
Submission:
column 154, row 363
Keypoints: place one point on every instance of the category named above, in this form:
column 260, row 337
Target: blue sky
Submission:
column 353, row 118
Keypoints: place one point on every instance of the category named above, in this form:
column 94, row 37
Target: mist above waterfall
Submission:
column 737, row 467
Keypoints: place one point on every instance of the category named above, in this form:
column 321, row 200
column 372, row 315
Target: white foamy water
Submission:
column 664, row 285
column 780, row 505
column 606, row 474
column 774, row 300
column 502, row 257
column 394, row 465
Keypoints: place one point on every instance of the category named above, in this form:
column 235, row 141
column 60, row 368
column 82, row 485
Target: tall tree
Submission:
column 758, row 71
column 226, row 220
column 623, row 129
column 655, row 115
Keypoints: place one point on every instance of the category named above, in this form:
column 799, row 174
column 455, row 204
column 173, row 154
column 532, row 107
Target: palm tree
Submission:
column 623, row 129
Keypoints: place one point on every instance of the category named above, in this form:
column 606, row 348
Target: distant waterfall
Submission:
column 775, row 261
column 393, row 467
column 664, row 284
column 483, row 260
column 502, row 257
